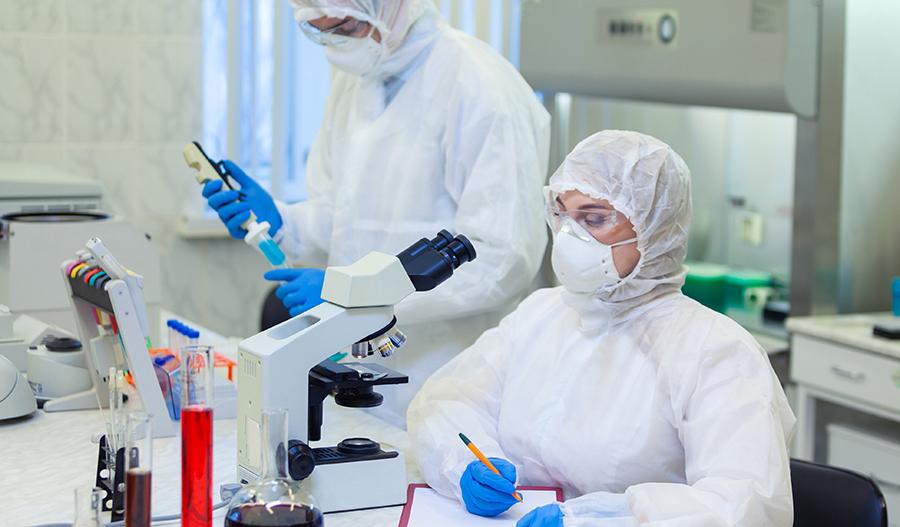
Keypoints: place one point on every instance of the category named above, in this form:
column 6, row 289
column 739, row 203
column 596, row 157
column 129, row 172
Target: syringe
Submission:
column 257, row 231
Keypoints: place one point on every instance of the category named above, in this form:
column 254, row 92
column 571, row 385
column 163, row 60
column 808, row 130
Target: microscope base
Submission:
column 355, row 485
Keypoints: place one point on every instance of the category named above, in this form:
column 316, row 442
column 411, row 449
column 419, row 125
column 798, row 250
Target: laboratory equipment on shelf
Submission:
column 274, row 499
column 287, row 366
column 16, row 398
column 57, row 368
column 45, row 215
column 197, row 387
column 138, row 470
column 20, row 333
column 257, row 231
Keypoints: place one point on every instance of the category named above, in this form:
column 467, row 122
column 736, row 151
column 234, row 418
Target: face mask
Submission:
column 357, row 56
column 584, row 266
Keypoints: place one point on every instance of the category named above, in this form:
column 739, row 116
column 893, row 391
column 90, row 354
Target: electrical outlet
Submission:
column 750, row 228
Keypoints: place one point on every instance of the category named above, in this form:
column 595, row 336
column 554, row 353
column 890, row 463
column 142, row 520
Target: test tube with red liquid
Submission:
column 138, row 469
column 197, row 386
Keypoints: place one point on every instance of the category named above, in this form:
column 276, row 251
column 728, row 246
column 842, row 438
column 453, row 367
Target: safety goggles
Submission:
column 338, row 34
column 587, row 223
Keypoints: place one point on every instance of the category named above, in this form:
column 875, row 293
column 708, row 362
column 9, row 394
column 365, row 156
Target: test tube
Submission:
column 171, row 325
column 138, row 470
column 197, row 386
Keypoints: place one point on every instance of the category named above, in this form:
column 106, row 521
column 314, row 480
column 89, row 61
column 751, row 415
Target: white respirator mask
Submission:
column 356, row 56
column 581, row 263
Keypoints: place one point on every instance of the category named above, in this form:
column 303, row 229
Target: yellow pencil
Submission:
column 487, row 462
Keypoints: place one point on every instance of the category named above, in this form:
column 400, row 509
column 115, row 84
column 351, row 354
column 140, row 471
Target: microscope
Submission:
column 286, row 366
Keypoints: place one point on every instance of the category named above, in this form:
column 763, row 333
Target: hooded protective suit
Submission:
column 643, row 405
column 442, row 133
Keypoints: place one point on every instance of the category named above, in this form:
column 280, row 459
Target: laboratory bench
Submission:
column 45, row 457
column 837, row 360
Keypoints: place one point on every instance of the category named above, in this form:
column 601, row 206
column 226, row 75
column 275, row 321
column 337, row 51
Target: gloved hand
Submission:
column 547, row 516
column 302, row 290
column 486, row 493
column 234, row 206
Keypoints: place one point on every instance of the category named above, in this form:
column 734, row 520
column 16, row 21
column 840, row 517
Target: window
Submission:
column 265, row 84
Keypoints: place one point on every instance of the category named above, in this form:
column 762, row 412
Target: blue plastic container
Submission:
column 895, row 295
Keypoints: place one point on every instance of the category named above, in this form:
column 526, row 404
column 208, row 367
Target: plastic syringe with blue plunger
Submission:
column 257, row 231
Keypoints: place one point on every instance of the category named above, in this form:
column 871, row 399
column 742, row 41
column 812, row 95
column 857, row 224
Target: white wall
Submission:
column 110, row 89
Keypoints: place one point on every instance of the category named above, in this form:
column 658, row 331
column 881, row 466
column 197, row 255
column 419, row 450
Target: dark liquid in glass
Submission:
column 137, row 497
column 283, row 515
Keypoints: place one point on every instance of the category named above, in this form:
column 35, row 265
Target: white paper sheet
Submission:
column 430, row 509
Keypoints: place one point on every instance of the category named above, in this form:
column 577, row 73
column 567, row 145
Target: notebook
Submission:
column 426, row 508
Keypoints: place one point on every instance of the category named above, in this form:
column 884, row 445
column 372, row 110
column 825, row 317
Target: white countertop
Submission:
column 850, row 330
column 45, row 457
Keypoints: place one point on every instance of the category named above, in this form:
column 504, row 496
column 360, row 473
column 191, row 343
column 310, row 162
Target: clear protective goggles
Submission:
column 338, row 34
column 590, row 222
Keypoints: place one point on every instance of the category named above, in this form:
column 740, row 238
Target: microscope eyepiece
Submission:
column 460, row 250
column 430, row 262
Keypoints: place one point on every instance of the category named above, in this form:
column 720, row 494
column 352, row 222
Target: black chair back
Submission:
column 826, row 495
column 273, row 311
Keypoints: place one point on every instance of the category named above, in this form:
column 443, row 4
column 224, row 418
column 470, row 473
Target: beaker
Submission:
column 138, row 469
column 197, row 386
column 274, row 500
column 88, row 507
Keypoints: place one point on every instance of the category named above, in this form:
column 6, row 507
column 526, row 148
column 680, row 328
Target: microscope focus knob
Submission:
column 300, row 460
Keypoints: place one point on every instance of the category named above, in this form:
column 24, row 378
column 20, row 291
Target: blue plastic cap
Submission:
column 170, row 323
column 895, row 286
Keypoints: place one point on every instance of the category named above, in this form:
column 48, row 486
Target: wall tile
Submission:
column 169, row 89
column 101, row 91
column 51, row 154
column 100, row 16
column 31, row 94
column 170, row 17
column 31, row 16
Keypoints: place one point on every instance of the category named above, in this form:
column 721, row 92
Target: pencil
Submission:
column 487, row 462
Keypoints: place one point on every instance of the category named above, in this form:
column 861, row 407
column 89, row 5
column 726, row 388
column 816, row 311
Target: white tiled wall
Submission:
column 110, row 89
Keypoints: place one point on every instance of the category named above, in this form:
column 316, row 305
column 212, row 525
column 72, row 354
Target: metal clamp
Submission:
column 855, row 376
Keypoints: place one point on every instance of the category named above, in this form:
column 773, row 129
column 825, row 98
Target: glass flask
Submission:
column 274, row 500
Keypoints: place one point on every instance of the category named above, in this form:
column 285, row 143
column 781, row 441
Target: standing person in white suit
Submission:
column 645, row 407
column 425, row 129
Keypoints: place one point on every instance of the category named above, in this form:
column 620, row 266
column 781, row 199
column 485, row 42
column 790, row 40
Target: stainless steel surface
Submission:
column 754, row 54
column 817, row 179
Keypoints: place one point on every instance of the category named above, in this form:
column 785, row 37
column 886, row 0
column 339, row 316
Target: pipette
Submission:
column 257, row 231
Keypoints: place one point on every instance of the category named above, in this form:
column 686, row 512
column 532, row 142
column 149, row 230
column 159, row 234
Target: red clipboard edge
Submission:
column 411, row 492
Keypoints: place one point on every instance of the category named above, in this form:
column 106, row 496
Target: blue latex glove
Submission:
column 546, row 516
column 486, row 493
column 302, row 290
column 234, row 206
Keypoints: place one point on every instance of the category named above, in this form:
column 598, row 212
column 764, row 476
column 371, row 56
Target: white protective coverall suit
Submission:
column 442, row 134
column 644, row 406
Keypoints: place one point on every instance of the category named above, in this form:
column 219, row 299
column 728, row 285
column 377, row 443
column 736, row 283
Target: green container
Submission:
column 705, row 283
column 737, row 282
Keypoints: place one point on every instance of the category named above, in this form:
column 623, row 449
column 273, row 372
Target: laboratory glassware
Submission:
column 138, row 469
column 274, row 499
column 88, row 507
column 197, row 386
